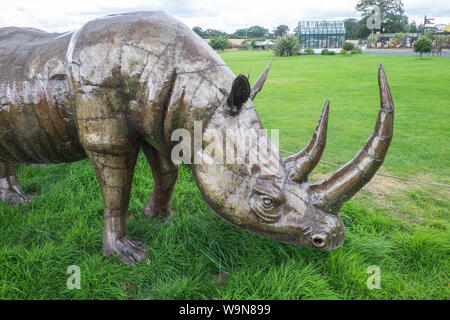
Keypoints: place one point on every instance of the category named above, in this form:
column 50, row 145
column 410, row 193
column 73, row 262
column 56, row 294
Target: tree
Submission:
column 219, row 43
column 420, row 28
column 423, row 45
column 208, row 33
column 211, row 33
column 442, row 39
column 396, row 23
column 351, row 28
column 199, row 31
column 252, row 32
column 373, row 39
column 413, row 27
column 429, row 33
column 348, row 46
column 281, row 30
column 392, row 15
column 240, row 33
column 257, row 32
column 287, row 46
column 270, row 35
column 401, row 38
column 363, row 31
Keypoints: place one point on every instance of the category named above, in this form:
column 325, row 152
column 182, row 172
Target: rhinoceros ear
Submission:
column 240, row 93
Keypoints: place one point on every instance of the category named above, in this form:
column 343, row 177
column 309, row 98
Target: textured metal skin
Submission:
column 36, row 113
column 126, row 82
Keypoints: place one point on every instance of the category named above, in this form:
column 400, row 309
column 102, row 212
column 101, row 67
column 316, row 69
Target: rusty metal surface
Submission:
column 36, row 112
column 129, row 81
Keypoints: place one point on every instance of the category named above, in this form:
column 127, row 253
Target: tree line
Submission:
column 392, row 18
column 252, row 32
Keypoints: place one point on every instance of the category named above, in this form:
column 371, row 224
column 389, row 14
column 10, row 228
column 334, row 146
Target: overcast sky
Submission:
column 227, row 15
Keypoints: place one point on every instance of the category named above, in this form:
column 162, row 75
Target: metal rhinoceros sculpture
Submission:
column 128, row 81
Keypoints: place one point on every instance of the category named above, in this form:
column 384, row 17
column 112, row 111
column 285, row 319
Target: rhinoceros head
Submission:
column 271, row 195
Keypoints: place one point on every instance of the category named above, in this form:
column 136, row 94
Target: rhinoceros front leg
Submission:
column 112, row 145
column 115, row 175
column 10, row 190
column 165, row 174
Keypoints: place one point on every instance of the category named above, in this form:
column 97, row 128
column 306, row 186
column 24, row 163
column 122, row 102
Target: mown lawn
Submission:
column 401, row 227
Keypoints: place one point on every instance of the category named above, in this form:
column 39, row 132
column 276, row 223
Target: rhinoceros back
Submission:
column 36, row 113
column 145, row 72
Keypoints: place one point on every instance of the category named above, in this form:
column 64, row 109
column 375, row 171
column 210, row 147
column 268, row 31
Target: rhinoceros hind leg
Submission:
column 165, row 174
column 115, row 175
column 10, row 190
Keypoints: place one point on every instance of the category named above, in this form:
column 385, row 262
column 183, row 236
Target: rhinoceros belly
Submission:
column 37, row 122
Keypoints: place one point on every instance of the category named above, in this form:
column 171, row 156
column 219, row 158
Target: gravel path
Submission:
column 404, row 52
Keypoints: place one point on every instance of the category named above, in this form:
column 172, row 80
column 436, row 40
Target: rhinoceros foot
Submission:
column 129, row 251
column 154, row 210
column 11, row 192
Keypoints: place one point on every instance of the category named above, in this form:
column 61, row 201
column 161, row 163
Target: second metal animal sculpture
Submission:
column 128, row 81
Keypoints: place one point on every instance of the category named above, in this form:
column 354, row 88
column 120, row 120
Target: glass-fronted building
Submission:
column 321, row 34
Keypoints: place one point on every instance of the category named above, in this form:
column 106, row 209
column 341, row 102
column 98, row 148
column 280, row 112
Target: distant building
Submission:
column 386, row 38
column 321, row 34
column 445, row 31
column 263, row 44
column 441, row 27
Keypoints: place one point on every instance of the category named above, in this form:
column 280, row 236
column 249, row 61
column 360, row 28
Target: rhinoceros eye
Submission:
column 266, row 202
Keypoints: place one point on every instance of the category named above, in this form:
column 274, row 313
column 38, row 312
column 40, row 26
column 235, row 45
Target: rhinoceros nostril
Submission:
column 318, row 241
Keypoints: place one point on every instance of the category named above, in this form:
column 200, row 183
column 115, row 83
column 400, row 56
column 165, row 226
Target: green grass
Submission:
column 400, row 227
column 298, row 86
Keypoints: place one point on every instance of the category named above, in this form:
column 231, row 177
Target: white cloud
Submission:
column 227, row 15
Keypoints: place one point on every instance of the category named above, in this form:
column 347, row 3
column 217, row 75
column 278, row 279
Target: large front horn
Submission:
column 301, row 164
column 331, row 193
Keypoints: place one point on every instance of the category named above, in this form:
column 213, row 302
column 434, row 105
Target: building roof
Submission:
column 264, row 43
column 321, row 27
column 391, row 35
